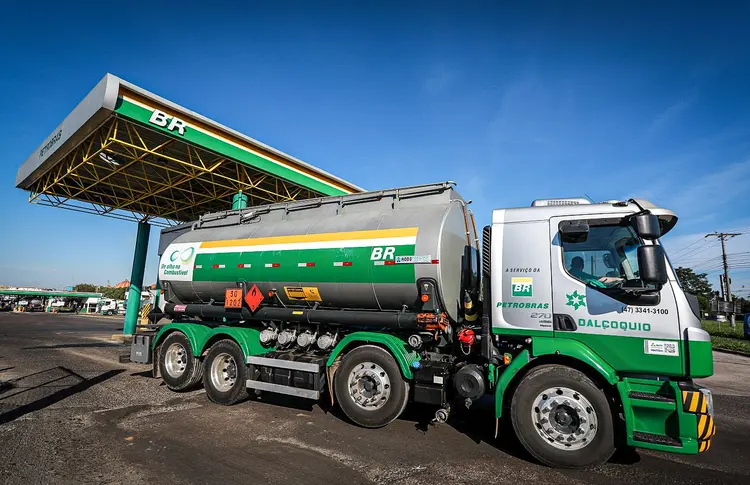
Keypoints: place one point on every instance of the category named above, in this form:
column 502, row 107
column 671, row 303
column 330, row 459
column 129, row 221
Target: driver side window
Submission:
column 605, row 258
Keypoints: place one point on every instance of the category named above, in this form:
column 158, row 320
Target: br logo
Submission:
column 522, row 286
column 382, row 253
column 160, row 118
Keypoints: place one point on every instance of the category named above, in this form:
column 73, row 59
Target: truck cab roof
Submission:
column 544, row 209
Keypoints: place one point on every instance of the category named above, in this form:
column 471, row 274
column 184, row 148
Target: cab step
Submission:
column 647, row 396
column 656, row 439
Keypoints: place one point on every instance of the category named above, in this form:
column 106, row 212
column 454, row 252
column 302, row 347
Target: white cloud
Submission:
column 670, row 114
column 711, row 191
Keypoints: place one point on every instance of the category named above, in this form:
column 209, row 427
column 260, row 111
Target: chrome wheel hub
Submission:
column 369, row 386
column 223, row 372
column 564, row 418
column 175, row 360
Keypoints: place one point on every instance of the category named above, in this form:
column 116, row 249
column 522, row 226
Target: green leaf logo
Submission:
column 575, row 300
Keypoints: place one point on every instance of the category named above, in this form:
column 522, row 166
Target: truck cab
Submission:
column 591, row 282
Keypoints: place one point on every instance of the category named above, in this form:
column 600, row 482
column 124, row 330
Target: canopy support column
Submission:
column 239, row 201
column 136, row 278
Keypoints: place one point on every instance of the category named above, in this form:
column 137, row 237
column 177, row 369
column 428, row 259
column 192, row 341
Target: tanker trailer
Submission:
column 373, row 300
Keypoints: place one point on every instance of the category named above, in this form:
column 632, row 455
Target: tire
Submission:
column 377, row 374
column 561, row 390
column 179, row 368
column 225, row 373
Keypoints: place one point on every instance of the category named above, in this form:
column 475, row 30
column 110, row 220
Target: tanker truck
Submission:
column 568, row 314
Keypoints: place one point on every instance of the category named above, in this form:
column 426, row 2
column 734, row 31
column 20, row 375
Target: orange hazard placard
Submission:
column 233, row 298
column 254, row 297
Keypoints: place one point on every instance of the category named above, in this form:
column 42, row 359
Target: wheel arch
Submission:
column 591, row 365
column 397, row 348
column 195, row 333
column 247, row 338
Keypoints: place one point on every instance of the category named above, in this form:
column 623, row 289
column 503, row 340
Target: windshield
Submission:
column 608, row 257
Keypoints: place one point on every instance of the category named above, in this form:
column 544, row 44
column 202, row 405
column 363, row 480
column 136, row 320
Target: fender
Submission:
column 404, row 355
column 519, row 362
column 247, row 338
column 196, row 334
column 551, row 346
column 575, row 349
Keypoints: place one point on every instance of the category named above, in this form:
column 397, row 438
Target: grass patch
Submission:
column 724, row 337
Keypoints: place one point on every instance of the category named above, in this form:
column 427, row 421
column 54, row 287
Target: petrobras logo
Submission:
column 522, row 287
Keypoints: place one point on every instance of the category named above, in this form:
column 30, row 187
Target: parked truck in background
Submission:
column 569, row 314
column 109, row 306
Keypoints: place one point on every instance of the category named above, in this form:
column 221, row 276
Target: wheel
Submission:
column 369, row 387
column 562, row 418
column 179, row 368
column 225, row 373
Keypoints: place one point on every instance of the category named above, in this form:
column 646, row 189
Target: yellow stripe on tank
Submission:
column 312, row 238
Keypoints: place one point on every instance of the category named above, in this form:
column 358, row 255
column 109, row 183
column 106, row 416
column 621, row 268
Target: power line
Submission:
column 689, row 245
column 697, row 250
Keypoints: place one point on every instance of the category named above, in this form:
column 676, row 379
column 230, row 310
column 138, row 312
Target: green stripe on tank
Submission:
column 362, row 270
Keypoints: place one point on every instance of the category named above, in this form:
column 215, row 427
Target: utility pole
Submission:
column 726, row 287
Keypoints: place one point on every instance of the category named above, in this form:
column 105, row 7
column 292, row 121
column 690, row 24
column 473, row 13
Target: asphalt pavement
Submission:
column 71, row 413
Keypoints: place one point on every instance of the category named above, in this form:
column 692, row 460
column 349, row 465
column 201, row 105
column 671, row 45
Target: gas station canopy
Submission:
column 124, row 152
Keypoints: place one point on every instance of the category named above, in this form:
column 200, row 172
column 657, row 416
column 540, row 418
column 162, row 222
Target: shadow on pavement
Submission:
column 73, row 346
column 41, row 389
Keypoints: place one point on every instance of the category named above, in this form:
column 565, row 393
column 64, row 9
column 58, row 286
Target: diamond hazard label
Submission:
column 253, row 298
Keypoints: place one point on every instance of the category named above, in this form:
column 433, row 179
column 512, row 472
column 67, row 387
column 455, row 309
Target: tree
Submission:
column 113, row 293
column 84, row 287
column 697, row 284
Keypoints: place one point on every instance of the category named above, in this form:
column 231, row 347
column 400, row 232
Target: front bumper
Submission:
column 699, row 401
column 665, row 415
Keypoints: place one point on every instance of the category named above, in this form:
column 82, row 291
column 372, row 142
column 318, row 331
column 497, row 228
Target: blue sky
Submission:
column 513, row 102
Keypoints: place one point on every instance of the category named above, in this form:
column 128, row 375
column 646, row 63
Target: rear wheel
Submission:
column 179, row 368
column 562, row 418
column 225, row 373
column 369, row 387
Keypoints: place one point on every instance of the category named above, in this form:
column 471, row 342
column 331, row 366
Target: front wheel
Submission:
column 562, row 418
column 369, row 387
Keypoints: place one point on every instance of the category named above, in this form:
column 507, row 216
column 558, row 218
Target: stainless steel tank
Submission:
column 359, row 251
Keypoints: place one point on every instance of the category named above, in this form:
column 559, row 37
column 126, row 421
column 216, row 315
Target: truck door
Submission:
column 589, row 274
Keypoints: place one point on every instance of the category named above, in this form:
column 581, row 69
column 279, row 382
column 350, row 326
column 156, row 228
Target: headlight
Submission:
column 709, row 401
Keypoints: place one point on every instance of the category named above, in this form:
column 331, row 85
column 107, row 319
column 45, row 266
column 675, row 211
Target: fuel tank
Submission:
column 360, row 251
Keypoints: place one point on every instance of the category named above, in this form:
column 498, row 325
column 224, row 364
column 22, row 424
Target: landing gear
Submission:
column 369, row 387
column 562, row 418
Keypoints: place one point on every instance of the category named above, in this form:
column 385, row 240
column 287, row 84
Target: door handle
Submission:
column 564, row 323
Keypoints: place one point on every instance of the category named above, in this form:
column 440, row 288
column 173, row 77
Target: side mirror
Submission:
column 574, row 231
column 647, row 226
column 651, row 265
